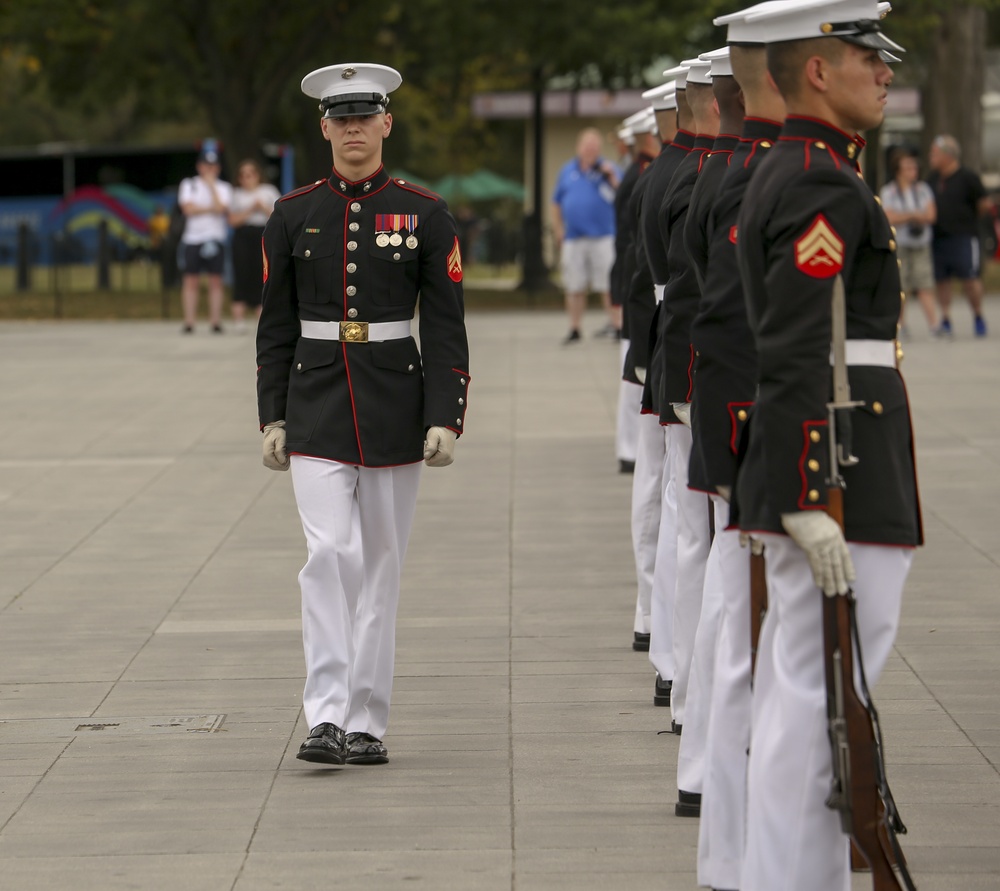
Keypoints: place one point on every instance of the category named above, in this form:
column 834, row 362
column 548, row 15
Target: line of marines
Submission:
column 736, row 234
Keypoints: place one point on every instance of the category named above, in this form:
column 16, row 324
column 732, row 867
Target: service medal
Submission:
column 411, row 242
column 395, row 239
column 382, row 240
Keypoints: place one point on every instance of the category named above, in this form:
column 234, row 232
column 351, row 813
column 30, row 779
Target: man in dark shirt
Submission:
column 961, row 199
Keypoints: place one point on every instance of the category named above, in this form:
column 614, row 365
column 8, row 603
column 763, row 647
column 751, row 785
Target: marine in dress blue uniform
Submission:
column 641, row 127
column 653, row 506
column 725, row 381
column 691, row 759
column 808, row 217
column 679, row 295
column 346, row 398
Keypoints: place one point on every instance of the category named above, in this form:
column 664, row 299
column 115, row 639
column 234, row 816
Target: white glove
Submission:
column 274, row 446
column 726, row 492
column 640, row 374
column 822, row 540
column 683, row 412
column 439, row 447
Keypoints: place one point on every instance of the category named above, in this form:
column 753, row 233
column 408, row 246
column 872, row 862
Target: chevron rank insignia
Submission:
column 455, row 263
column 820, row 251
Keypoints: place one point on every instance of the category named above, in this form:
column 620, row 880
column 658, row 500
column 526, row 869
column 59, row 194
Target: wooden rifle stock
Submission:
column 859, row 791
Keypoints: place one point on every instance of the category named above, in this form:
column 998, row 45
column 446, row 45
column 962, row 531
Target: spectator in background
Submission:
column 204, row 200
column 583, row 218
column 961, row 199
column 253, row 201
column 909, row 206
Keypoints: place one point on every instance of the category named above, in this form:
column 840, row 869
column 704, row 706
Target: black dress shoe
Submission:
column 325, row 745
column 363, row 748
column 626, row 466
column 661, row 693
column 640, row 642
column 688, row 804
column 676, row 728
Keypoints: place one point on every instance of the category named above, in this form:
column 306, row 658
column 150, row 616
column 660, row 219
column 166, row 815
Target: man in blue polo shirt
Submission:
column 583, row 218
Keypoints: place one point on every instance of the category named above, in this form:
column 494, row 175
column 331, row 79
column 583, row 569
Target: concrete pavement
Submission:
column 150, row 657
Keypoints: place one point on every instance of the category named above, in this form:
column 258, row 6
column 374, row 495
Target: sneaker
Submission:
column 944, row 329
column 979, row 326
column 572, row 337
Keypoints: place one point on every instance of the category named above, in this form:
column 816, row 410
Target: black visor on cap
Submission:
column 864, row 32
column 353, row 105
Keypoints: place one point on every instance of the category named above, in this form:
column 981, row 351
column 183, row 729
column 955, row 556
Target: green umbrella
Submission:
column 483, row 185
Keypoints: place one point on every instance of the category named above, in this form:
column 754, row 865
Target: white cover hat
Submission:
column 679, row 73
column 699, row 72
column 351, row 89
column 663, row 97
column 719, row 62
column 856, row 21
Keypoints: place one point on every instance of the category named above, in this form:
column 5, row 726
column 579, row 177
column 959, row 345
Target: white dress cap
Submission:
column 744, row 32
column 351, row 89
column 856, row 21
column 634, row 119
column 646, row 123
column 718, row 61
column 663, row 97
column 698, row 72
column 679, row 73
column 625, row 135
column 643, row 121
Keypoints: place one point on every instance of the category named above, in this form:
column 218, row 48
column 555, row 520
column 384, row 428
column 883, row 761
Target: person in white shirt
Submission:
column 204, row 200
column 253, row 201
column 909, row 205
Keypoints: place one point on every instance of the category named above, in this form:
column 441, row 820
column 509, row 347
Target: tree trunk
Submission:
column 951, row 100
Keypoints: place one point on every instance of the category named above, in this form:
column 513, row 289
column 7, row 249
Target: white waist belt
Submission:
column 870, row 352
column 658, row 292
column 356, row 332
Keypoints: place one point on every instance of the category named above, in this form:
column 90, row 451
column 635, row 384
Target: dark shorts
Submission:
column 208, row 258
column 956, row 256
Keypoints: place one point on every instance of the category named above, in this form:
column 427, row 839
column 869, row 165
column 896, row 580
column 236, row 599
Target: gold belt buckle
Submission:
column 354, row 332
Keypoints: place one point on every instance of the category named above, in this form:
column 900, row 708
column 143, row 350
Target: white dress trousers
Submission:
column 723, row 796
column 693, row 542
column 691, row 753
column 794, row 840
column 357, row 523
column 661, row 606
column 629, row 408
column 647, row 497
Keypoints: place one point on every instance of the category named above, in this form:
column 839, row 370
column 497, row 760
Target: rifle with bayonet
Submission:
column 860, row 791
